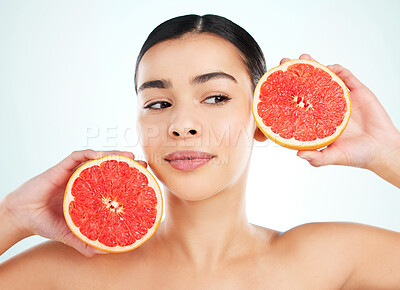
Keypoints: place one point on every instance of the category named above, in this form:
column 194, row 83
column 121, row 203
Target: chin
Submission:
column 192, row 186
column 198, row 194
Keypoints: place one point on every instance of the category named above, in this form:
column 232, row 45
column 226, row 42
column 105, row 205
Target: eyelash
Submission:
column 224, row 100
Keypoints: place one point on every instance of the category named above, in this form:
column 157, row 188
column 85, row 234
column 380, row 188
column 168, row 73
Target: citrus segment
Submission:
column 113, row 203
column 301, row 105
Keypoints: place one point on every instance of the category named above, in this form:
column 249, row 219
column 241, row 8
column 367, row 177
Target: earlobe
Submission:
column 259, row 135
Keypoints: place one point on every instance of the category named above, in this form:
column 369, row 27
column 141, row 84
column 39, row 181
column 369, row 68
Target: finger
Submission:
column 77, row 157
column 283, row 60
column 349, row 79
column 306, row 56
column 143, row 163
column 90, row 251
column 323, row 157
column 116, row 152
column 73, row 241
column 125, row 154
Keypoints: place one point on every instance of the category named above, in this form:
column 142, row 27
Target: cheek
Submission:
column 234, row 142
column 237, row 128
column 151, row 135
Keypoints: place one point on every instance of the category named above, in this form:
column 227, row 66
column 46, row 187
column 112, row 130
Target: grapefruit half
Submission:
column 301, row 105
column 113, row 203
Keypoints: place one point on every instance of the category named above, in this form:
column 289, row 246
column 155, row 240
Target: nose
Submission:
column 184, row 125
column 184, row 132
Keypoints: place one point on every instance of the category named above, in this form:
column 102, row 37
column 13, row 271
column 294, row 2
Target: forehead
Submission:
column 193, row 54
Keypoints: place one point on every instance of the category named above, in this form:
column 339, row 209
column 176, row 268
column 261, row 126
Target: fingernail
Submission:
column 305, row 157
column 101, row 252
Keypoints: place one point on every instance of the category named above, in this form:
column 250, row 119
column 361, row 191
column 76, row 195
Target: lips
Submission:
column 188, row 160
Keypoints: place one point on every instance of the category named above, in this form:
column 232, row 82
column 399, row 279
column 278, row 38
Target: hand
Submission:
column 37, row 205
column 370, row 136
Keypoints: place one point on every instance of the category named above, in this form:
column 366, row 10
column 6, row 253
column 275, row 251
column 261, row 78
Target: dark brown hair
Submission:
column 218, row 25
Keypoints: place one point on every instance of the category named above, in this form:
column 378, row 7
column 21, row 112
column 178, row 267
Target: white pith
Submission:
column 292, row 142
column 68, row 197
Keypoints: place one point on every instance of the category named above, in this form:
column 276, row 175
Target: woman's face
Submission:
column 195, row 94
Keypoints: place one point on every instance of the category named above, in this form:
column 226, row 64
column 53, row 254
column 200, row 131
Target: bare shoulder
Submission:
column 39, row 264
column 345, row 253
column 51, row 264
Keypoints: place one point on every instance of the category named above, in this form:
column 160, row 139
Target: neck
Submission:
column 204, row 231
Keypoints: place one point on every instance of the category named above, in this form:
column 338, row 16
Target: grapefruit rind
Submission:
column 292, row 143
column 68, row 197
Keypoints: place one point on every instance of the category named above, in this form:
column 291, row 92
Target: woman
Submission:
column 194, row 79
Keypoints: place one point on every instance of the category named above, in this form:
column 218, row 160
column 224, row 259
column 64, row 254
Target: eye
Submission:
column 217, row 100
column 157, row 105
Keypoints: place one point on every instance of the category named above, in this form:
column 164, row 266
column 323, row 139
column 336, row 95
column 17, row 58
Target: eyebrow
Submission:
column 158, row 84
column 200, row 79
column 209, row 76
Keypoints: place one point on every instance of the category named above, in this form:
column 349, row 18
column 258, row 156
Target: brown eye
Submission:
column 217, row 100
column 158, row 105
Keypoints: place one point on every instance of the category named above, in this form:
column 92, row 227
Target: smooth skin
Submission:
column 205, row 241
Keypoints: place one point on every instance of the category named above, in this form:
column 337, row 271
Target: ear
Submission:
column 259, row 135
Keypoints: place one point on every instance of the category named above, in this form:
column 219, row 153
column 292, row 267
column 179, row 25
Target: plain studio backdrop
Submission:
column 66, row 83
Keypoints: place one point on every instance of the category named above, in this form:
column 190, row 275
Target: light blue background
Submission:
column 66, row 83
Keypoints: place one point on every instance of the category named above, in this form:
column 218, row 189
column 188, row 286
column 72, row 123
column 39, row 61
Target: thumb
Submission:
column 73, row 241
column 347, row 76
column 323, row 157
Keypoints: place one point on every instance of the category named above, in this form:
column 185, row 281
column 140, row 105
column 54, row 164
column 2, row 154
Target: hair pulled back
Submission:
column 176, row 27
